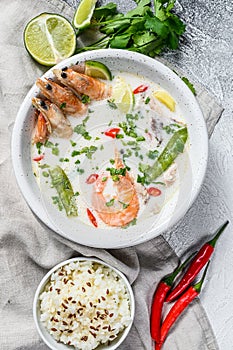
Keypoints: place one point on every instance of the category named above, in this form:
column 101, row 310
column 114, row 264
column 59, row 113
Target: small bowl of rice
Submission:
column 83, row 304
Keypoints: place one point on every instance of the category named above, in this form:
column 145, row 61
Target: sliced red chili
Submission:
column 153, row 191
column 112, row 132
column 92, row 178
column 38, row 158
column 139, row 89
column 92, row 218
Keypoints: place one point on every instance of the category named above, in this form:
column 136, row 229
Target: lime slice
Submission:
column 83, row 14
column 49, row 38
column 166, row 99
column 123, row 96
column 97, row 69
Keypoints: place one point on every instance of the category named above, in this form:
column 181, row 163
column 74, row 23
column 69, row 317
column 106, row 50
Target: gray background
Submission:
column 206, row 56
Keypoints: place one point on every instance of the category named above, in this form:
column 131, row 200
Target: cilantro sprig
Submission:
column 142, row 29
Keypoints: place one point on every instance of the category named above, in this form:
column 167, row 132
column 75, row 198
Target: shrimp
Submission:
column 55, row 119
column 124, row 203
column 41, row 130
column 62, row 96
column 83, row 84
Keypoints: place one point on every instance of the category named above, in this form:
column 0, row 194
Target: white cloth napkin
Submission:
column 28, row 248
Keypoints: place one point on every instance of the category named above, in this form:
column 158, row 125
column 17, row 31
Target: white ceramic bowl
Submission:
column 48, row 339
column 191, row 182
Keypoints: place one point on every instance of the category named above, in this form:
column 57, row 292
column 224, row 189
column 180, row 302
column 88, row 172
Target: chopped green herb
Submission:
column 73, row 144
column 147, row 100
column 120, row 171
column 63, row 105
column 146, row 131
column 58, row 202
column 140, row 138
column 45, row 173
column 124, row 204
column 81, row 129
column 101, row 147
column 131, row 223
column 112, row 161
column 75, row 153
column 43, row 166
column 64, row 160
column 110, row 203
column 55, row 151
column 80, row 171
column 171, row 128
column 97, row 138
column 141, row 179
column 76, row 194
column 119, row 136
column 112, row 104
column 152, row 154
column 90, row 111
column 115, row 178
column 77, row 161
column 35, row 174
column 48, row 144
column 132, row 116
column 38, row 146
column 85, row 99
column 110, row 123
column 104, row 178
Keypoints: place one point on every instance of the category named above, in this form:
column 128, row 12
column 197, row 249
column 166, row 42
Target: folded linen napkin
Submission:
column 28, row 248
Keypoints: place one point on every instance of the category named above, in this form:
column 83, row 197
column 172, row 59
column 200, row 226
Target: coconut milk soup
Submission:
column 123, row 161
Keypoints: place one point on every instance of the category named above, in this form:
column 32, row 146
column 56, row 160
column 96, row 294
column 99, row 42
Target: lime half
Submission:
column 83, row 14
column 123, row 96
column 97, row 69
column 49, row 38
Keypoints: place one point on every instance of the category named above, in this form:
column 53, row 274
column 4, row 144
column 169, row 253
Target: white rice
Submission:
column 85, row 304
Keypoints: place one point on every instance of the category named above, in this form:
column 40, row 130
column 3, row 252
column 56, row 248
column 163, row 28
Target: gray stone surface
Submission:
column 206, row 55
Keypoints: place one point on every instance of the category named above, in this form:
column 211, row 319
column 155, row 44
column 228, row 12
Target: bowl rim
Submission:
column 45, row 279
column 30, row 196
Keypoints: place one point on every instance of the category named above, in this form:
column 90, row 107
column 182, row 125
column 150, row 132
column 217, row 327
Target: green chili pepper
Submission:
column 174, row 147
column 64, row 189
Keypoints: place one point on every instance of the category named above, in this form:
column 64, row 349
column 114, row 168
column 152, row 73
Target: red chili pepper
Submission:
column 160, row 294
column 92, row 178
column 92, row 218
column 179, row 307
column 38, row 158
column 199, row 261
column 139, row 89
column 153, row 191
column 112, row 132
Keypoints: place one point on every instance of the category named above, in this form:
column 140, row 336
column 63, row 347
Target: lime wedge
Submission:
column 97, row 69
column 123, row 96
column 83, row 14
column 49, row 38
column 166, row 99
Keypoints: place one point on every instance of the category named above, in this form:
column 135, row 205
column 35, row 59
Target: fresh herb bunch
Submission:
column 142, row 29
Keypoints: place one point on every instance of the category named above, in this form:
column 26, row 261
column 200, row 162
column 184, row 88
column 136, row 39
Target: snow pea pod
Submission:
column 64, row 189
column 174, row 146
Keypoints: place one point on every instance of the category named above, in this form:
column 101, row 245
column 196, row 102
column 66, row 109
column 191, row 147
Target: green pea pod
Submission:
column 174, row 146
column 64, row 189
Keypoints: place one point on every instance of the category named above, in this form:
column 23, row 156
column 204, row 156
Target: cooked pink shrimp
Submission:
column 62, row 96
column 56, row 121
column 41, row 130
column 83, row 84
column 121, row 207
